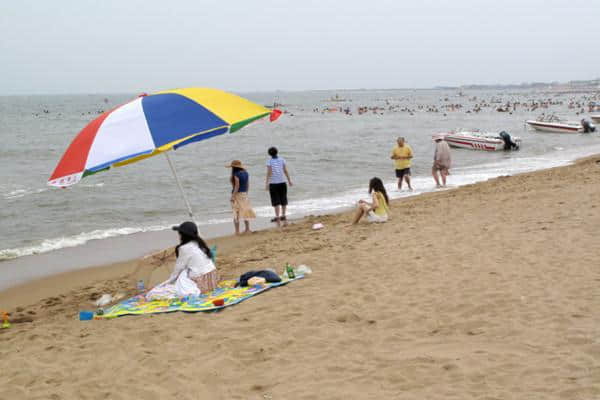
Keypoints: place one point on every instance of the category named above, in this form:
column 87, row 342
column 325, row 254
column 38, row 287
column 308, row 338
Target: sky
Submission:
column 116, row 46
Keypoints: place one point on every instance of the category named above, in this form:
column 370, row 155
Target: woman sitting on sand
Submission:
column 377, row 211
column 194, row 271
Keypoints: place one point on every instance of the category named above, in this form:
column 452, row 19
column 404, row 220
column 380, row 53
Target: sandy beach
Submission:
column 487, row 291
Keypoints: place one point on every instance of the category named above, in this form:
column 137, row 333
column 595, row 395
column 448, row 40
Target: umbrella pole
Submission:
column 187, row 203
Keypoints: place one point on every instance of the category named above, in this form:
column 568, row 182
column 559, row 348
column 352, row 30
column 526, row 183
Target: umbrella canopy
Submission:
column 153, row 124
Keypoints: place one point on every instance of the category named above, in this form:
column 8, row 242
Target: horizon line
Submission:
column 469, row 86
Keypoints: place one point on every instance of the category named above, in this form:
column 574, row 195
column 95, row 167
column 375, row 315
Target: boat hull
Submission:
column 477, row 143
column 554, row 127
column 595, row 118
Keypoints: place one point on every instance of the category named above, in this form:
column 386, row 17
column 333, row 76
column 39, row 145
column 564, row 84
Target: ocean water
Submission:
column 331, row 156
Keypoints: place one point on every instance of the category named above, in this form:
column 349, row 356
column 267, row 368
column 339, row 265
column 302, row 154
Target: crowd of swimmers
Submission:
column 475, row 104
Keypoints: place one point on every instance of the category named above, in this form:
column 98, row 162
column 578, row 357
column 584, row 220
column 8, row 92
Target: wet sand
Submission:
column 485, row 291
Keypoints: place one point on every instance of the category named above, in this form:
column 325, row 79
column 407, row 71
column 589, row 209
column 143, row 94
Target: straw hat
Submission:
column 235, row 163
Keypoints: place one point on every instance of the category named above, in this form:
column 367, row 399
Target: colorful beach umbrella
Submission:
column 153, row 124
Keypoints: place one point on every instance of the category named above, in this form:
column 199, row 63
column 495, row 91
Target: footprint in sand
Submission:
column 347, row 317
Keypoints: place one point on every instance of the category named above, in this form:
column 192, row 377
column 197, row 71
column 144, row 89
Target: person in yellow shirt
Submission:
column 378, row 209
column 402, row 155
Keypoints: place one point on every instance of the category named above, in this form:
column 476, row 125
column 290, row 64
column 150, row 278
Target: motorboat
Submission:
column 595, row 118
column 486, row 141
column 554, row 124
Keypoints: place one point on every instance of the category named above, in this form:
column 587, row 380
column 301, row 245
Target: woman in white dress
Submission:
column 194, row 271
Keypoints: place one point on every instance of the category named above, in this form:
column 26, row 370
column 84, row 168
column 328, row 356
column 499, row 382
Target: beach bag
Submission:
column 269, row 276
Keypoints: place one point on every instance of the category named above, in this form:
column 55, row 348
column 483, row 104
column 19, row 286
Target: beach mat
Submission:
column 138, row 305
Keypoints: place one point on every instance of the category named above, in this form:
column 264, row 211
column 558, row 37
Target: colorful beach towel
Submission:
column 231, row 295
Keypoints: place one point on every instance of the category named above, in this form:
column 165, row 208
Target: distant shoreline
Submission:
column 573, row 86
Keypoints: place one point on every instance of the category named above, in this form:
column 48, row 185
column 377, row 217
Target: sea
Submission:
column 330, row 148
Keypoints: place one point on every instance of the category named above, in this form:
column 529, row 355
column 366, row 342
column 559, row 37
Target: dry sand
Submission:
column 487, row 291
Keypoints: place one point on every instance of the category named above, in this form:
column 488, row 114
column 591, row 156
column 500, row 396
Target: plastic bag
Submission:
column 104, row 300
column 302, row 270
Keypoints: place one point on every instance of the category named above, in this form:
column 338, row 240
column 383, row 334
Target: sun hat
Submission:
column 187, row 228
column 236, row 164
column 438, row 136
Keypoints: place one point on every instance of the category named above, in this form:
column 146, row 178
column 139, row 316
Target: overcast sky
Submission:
column 85, row 46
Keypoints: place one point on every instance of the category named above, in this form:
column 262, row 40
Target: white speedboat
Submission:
column 554, row 124
column 558, row 127
column 486, row 141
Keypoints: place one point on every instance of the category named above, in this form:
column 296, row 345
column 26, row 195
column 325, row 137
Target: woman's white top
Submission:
column 192, row 259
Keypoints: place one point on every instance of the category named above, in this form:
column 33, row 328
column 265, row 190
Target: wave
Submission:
column 82, row 238
column 72, row 241
column 19, row 193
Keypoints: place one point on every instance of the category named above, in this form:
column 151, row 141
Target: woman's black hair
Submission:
column 233, row 171
column 201, row 243
column 273, row 152
column 377, row 185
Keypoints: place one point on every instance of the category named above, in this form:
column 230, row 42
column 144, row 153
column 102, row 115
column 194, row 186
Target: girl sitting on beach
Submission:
column 194, row 271
column 377, row 211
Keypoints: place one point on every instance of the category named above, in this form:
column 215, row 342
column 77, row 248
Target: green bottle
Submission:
column 290, row 271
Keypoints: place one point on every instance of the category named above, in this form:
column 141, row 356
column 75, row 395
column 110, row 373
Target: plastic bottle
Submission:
column 290, row 271
column 140, row 286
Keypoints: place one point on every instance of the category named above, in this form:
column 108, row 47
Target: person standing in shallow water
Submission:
column 240, row 204
column 402, row 155
column 441, row 161
column 276, row 185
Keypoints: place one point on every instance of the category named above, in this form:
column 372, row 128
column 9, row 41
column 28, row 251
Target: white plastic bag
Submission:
column 303, row 270
column 104, row 300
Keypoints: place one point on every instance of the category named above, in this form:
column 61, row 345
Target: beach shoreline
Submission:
column 460, row 295
column 122, row 248
column 77, row 268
